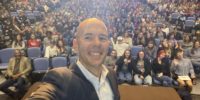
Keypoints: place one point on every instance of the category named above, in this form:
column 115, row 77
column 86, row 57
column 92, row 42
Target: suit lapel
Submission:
column 113, row 84
column 90, row 88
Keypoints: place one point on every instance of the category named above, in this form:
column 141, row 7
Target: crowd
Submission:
column 165, row 45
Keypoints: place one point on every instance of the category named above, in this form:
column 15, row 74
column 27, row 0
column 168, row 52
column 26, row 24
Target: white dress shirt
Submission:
column 101, row 85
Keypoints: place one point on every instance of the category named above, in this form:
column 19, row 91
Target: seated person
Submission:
column 195, row 56
column 161, row 69
column 33, row 42
column 151, row 50
column 111, row 60
column 18, row 43
column 63, row 50
column 51, row 50
column 181, row 68
column 142, row 70
column 124, row 67
column 18, row 69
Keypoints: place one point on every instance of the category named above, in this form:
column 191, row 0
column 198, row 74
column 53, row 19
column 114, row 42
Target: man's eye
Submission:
column 103, row 38
column 87, row 37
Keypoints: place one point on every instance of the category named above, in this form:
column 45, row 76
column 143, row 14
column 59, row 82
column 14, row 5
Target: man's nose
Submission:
column 96, row 41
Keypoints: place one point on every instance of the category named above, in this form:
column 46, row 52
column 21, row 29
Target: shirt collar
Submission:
column 92, row 78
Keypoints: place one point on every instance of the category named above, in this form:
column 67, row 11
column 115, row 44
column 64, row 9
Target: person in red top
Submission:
column 33, row 42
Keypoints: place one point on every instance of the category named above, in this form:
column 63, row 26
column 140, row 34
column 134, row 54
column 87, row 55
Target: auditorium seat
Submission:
column 40, row 65
column 59, row 62
column 135, row 50
column 34, row 52
column 5, row 55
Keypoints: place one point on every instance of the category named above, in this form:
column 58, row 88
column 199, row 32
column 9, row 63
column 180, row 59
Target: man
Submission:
column 18, row 69
column 88, row 79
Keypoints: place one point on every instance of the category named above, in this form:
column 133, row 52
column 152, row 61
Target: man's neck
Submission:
column 95, row 70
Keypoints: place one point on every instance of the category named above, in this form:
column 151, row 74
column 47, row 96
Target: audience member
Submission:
column 125, row 67
column 181, row 68
column 17, row 74
column 142, row 70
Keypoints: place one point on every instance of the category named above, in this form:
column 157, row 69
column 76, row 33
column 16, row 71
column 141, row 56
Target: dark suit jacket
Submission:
column 65, row 84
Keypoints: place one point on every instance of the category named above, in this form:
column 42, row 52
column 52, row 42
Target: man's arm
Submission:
column 54, row 87
column 9, row 69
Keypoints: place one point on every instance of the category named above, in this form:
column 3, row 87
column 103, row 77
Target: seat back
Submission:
column 135, row 50
column 175, row 15
column 191, row 18
column 6, row 54
column 157, row 42
column 34, row 52
column 189, row 23
column 40, row 64
column 59, row 62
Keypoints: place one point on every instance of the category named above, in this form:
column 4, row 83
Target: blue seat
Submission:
column 175, row 17
column 13, row 14
column 59, row 62
column 191, row 18
column 27, row 12
column 157, row 42
column 135, row 50
column 5, row 55
column 73, row 59
column 37, row 13
column 189, row 25
column 40, row 65
column 34, row 52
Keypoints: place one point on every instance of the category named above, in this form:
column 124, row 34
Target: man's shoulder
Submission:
column 58, row 76
column 61, row 71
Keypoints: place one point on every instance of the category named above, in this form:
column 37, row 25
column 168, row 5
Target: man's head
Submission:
column 114, row 53
column 92, row 42
column 17, row 53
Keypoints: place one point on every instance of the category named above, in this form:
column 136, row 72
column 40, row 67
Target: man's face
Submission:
column 17, row 54
column 92, row 44
column 113, row 53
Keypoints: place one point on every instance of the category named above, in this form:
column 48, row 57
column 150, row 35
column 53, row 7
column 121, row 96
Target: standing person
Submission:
column 19, row 68
column 88, row 78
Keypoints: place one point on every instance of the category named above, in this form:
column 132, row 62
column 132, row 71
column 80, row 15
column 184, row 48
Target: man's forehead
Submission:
column 91, row 22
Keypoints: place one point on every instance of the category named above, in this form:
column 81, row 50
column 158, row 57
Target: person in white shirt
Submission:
column 120, row 46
